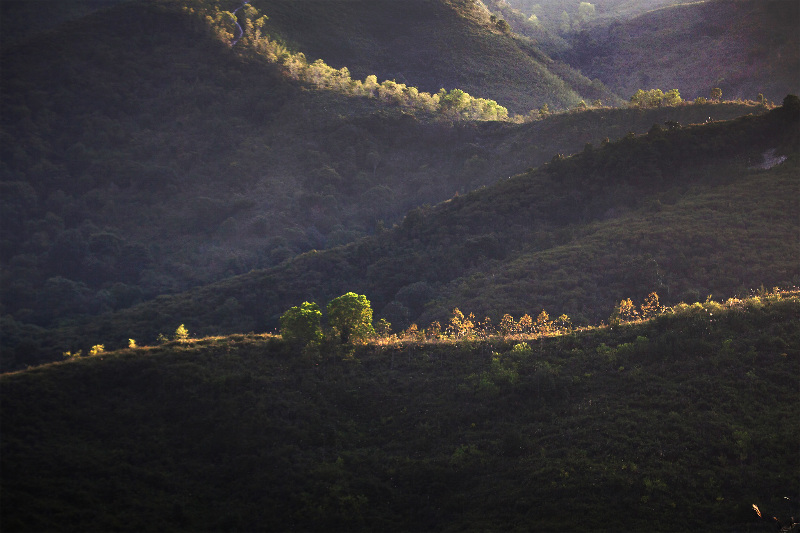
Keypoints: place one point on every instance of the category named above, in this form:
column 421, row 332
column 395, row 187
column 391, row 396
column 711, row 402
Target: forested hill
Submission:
column 683, row 211
column 143, row 155
column 681, row 423
column 742, row 47
column 430, row 44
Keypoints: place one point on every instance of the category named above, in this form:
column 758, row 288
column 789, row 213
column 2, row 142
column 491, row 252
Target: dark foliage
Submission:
column 677, row 424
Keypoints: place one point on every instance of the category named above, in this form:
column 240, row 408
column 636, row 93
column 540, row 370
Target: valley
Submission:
column 574, row 227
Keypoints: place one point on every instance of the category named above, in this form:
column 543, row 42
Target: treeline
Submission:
column 453, row 105
column 350, row 320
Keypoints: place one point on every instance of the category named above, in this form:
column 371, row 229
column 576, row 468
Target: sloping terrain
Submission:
column 745, row 48
column 574, row 237
column 20, row 20
column 141, row 157
column 429, row 44
column 678, row 424
column 551, row 13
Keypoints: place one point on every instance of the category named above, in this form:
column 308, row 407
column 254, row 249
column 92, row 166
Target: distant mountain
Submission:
column 567, row 16
column 744, row 47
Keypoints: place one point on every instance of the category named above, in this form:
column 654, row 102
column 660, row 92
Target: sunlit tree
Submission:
column 350, row 316
column 301, row 324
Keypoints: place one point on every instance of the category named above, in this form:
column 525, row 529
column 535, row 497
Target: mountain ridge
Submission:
column 462, row 238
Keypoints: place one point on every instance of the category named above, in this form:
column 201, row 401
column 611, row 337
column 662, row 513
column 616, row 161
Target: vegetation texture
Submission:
column 678, row 423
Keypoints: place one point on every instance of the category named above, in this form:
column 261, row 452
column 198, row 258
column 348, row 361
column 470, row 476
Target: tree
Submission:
column 644, row 99
column 651, row 307
column 672, row 97
column 624, row 312
column 350, row 316
column 181, row 334
column 461, row 326
column 301, row 324
column 544, row 111
column 716, row 94
column 543, row 324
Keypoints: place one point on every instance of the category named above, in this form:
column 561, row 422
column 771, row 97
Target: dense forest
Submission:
column 573, row 237
column 115, row 147
column 430, row 265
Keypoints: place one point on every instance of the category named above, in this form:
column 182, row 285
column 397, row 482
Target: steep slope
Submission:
column 429, row 44
column 679, row 424
column 743, row 47
column 682, row 212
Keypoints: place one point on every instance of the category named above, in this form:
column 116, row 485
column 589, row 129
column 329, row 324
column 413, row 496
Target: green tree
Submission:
column 181, row 334
column 716, row 94
column 301, row 324
column 350, row 316
column 672, row 97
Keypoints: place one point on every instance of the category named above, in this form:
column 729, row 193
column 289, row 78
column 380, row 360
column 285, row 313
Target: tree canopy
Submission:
column 350, row 316
column 301, row 324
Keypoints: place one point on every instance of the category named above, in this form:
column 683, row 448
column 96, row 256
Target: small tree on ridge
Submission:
column 350, row 316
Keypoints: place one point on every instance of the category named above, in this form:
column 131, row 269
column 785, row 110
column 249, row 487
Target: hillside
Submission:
column 566, row 16
column 143, row 156
column 681, row 423
column 20, row 20
column 745, row 48
column 576, row 236
column 428, row 44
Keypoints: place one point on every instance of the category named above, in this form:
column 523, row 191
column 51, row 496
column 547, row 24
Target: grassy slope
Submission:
column 745, row 48
column 145, row 158
column 703, row 223
column 679, row 424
